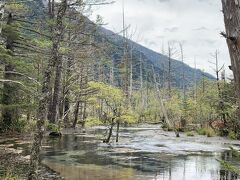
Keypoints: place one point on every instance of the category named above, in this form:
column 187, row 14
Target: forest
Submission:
column 78, row 101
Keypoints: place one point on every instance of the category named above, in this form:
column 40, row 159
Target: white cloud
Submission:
column 197, row 23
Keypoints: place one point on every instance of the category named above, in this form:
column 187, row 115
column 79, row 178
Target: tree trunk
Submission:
column 42, row 110
column 2, row 10
column 56, row 94
column 76, row 112
column 66, row 90
column 84, row 115
column 9, row 114
column 66, row 111
column 110, row 132
column 168, row 121
column 117, row 135
column 232, row 24
column 169, row 70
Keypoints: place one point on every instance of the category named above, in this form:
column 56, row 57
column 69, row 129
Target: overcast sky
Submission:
column 195, row 23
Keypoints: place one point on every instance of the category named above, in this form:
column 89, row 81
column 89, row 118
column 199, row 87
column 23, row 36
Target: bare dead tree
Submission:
column 183, row 71
column 163, row 109
column 217, row 70
column 171, row 53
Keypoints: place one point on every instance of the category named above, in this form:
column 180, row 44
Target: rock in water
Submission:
column 55, row 134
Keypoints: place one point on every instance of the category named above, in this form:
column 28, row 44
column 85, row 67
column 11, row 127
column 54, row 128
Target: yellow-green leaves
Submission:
column 107, row 92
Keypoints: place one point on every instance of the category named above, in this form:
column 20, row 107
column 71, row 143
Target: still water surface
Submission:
column 142, row 154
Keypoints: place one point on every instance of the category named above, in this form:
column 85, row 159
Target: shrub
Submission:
column 9, row 176
column 53, row 127
column 165, row 127
column 210, row 132
column 93, row 121
column 232, row 135
column 202, row 131
column 190, row 133
column 23, row 125
column 235, row 153
column 206, row 131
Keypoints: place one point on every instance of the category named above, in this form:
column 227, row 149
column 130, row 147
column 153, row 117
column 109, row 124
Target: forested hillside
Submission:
column 138, row 53
column 159, row 61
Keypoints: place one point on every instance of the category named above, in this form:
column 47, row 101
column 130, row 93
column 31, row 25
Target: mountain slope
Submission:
column 149, row 57
column 152, row 58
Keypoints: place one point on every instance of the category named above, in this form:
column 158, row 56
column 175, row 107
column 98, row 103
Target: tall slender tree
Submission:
column 232, row 25
column 42, row 111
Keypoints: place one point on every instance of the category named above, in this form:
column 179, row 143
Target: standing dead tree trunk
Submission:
column 170, row 123
column 42, row 109
column 169, row 71
column 231, row 14
column 184, row 101
column 217, row 70
column 171, row 53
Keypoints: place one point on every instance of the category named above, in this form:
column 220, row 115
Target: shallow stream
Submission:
column 143, row 153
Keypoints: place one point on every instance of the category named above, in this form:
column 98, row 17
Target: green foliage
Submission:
column 166, row 127
column 10, row 31
column 229, row 167
column 235, row 153
column 108, row 93
column 202, row 131
column 53, row 127
column 206, row 131
column 16, row 7
column 5, row 54
column 20, row 125
column 232, row 135
column 190, row 133
column 173, row 106
column 93, row 121
column 210, row 133
column 110, row 97
column 9, row 176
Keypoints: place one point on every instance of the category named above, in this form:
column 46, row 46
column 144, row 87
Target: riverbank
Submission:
column 14, row 160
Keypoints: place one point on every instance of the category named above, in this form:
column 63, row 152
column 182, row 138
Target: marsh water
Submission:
column 143, row 153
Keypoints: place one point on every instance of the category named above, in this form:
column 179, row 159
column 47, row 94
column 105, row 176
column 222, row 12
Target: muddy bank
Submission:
column 14, row 160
